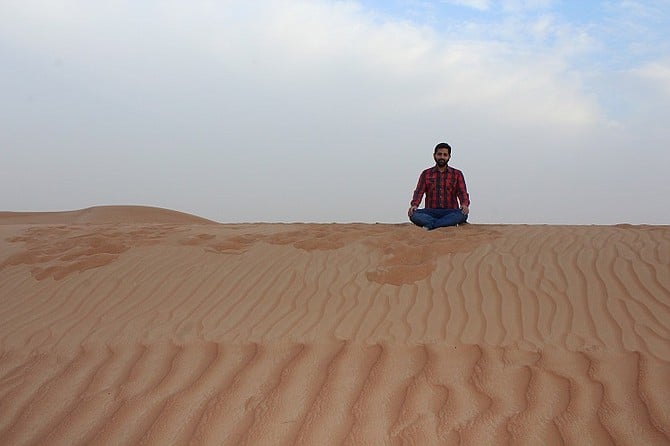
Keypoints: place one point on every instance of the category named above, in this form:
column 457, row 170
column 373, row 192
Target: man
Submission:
column 447, row 199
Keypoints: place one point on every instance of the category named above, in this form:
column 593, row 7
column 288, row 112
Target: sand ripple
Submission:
column 170, row 333
column 332, row 393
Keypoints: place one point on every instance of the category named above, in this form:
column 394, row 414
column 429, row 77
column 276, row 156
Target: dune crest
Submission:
column 192, row 333
column 103, row 215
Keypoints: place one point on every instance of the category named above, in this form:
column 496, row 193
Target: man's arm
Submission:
column 420, row 190
column 418, row 194
column 462, row 193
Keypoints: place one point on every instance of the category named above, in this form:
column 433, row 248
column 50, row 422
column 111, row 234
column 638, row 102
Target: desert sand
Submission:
column 133, row 325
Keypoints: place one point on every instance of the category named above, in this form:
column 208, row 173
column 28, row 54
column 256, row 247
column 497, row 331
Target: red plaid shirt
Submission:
column 443, row 190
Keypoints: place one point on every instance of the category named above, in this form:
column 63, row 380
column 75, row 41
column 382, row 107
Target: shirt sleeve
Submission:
column 462, row 190
column 419, row 191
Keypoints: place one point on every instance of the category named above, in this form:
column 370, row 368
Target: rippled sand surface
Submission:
column 131, row 325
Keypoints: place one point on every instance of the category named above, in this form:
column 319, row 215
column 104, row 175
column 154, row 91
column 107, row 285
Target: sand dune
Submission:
column 131, row 325
column 103, row 214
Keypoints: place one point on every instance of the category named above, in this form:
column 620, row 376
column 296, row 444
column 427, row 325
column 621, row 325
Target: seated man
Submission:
column 447, row 199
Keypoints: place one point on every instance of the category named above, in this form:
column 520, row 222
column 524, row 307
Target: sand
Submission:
column 132, row 325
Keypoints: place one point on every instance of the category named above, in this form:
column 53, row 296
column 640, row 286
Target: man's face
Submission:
column 441, row 157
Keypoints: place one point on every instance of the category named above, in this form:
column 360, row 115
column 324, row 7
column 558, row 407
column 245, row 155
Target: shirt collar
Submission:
column 434, row 168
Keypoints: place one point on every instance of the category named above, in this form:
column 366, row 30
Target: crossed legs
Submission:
column 437, row 218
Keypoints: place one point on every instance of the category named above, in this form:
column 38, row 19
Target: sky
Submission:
column 558, row 112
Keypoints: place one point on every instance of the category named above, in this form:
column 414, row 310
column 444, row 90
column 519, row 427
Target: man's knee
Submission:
column 414, row 218
column 420, row 218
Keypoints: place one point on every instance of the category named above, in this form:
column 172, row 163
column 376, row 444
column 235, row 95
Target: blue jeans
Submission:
column 438, row 218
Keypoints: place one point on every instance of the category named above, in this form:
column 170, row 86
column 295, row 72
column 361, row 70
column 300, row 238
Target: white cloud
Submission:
column 525, row 5
column 334, row 47
column 481, row 5
column 658, row 73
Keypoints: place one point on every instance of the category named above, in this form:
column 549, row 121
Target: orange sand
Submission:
column 132, row 325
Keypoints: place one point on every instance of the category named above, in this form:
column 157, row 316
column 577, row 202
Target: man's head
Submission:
column 442, row 145
column 442, row 154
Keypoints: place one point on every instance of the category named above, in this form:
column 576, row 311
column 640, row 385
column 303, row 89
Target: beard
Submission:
column 441, row 163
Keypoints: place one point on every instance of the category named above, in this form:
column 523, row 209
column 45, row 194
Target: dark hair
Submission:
column 442, row 145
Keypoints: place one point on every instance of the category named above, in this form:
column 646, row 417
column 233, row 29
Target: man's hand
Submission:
column 465, row 210
column 411, row 210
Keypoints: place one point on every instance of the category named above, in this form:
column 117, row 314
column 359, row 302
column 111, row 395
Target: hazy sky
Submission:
column 327, row 111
